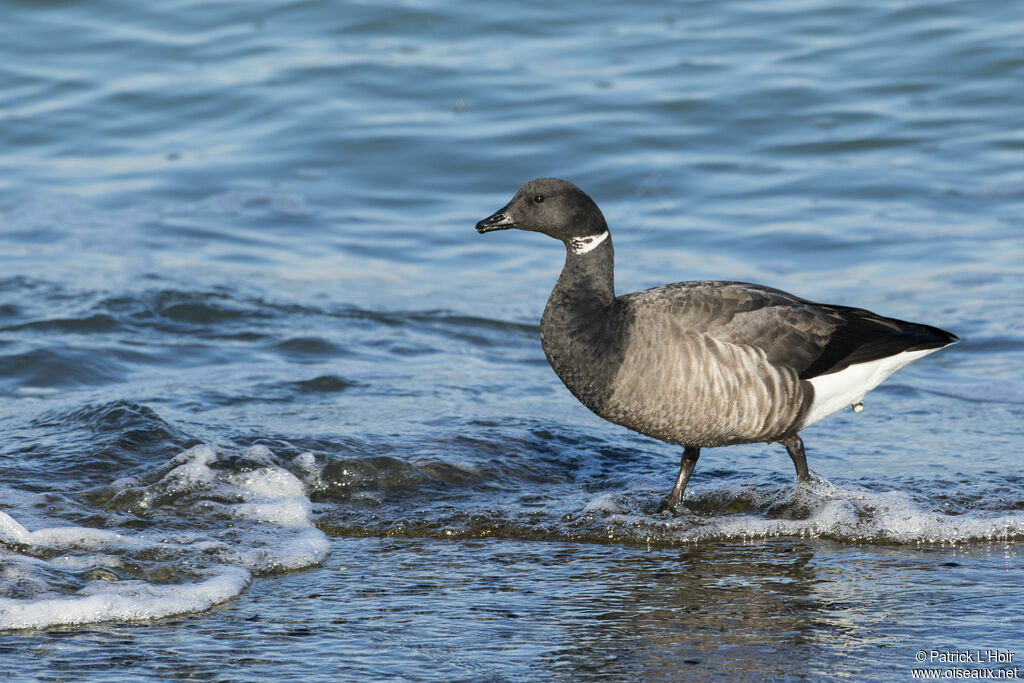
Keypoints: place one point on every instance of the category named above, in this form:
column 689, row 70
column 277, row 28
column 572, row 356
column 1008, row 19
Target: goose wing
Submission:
column 811, row 338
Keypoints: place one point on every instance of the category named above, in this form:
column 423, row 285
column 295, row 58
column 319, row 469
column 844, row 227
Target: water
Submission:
column 271, row 407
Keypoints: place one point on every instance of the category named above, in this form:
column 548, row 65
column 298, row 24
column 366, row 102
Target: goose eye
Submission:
column 538, row 199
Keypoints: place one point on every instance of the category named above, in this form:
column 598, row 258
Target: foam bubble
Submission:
column 11, row 531
column 288, row 512
column 84, row 538
column 603, row 504
column 290, row 552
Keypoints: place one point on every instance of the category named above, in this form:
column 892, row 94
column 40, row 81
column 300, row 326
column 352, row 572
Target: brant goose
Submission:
column 700, row 364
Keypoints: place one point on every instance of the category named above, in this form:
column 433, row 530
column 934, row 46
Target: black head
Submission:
column 551, row 206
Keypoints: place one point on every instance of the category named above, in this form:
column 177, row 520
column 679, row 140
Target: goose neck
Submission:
column 588, row 277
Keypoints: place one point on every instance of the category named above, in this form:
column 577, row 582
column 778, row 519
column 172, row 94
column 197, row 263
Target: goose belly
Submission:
column 705, row 393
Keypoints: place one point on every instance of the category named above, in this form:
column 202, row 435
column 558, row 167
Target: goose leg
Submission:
column 686, row 465
column 795, row 447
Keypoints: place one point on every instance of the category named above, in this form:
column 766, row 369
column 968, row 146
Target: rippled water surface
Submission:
column 272, row 408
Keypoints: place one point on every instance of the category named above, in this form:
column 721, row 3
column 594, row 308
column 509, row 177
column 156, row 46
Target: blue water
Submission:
column 270, row 407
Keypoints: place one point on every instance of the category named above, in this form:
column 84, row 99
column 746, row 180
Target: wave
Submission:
column 189, row 535
column 732, row 511
column 820, row 509
column 195, row 530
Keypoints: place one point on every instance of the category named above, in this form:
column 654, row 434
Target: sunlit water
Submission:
column 272, row 408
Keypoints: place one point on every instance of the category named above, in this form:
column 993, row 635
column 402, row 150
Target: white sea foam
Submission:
column 96, row 576
column 819, row 509
column 605, row 503
column 11, row 531
column 104, row 601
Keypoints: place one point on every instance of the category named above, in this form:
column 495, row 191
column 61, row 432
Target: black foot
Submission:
column 667, row 505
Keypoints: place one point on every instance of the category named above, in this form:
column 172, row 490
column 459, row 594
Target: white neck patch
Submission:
column 583, row 245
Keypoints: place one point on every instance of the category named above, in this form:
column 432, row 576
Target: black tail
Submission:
column 862, row 336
